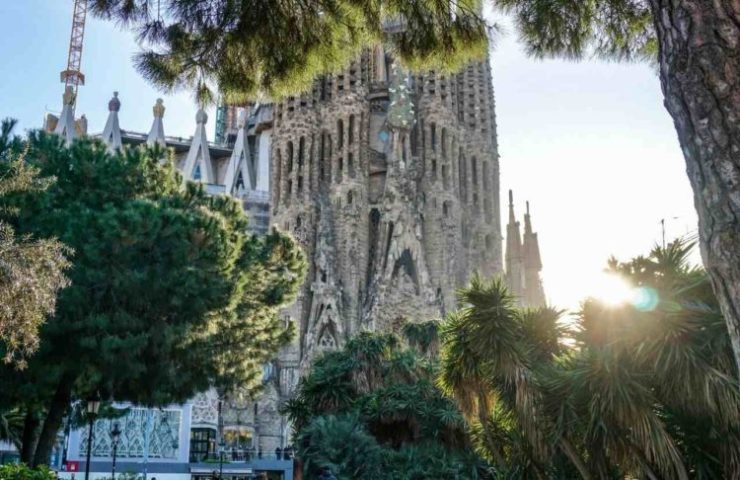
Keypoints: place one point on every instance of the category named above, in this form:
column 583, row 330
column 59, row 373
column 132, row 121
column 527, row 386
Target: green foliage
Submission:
column 31, row 270
column 169, row 294
column 21, row 471
column 342, row 444
column 612, row 29
column 644, row 389
column 374, row 407
column 278, row 47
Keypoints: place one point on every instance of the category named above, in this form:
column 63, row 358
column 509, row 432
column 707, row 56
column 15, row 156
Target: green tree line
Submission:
column 639, row 390
column 167, row 294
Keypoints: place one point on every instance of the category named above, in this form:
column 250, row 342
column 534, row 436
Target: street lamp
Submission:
column 221, row 448
column 93, row 405
column 115, row 436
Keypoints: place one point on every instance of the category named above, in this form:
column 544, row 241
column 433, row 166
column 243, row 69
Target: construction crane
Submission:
column 72, row 76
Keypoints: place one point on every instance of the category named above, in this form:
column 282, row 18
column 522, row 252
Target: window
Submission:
column 351, row 133
column 340, row 133
column 290, row 158
column 202, row 444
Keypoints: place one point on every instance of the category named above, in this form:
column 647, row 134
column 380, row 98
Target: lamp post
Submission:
column 221, row 448
column 115, row 436
column 93, row 406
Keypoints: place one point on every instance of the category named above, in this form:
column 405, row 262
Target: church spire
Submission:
column 240, row 163
column 514, row 264
column 112, row 130
column 66, row 125
column 156, row 133
column 534, row 292
column 198, row 164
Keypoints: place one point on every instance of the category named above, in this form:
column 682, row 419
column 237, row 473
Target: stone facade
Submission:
column 391, row 184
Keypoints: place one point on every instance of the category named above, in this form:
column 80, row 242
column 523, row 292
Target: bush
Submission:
column 21, row 471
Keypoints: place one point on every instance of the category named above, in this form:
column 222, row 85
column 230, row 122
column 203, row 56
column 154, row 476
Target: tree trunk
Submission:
column 699, row 60
column 53, row 421
column 30, row 436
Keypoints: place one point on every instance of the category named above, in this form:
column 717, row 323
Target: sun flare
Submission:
column 611, row 289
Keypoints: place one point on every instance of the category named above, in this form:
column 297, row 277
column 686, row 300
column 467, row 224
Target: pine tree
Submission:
column 169, row 294
column 279, row 46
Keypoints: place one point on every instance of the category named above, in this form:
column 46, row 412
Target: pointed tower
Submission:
column 514, row 254
column 198, row 165
column 112, row 130
column 534, row 293
column 66, row 124
column 239, row 170
column 156, row 133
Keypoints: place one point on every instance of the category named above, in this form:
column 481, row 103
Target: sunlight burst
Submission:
column 611, row 289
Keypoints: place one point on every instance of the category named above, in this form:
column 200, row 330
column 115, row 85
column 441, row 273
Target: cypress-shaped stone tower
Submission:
column 390, row 182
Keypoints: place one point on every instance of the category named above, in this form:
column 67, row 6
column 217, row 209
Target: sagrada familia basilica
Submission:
column 388, row 180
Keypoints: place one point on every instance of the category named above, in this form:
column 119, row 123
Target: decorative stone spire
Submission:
column 198, row 164
column 534, row 293
column 240, row 161
column 514, row 264
column 112, row 130
column 156, row 133
column 66, row 124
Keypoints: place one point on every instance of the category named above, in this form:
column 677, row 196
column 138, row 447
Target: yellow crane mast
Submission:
column 72, row 76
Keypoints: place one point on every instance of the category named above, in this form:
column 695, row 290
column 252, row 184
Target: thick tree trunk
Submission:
column 53, row 421
column 699, row 58
column 30, row 436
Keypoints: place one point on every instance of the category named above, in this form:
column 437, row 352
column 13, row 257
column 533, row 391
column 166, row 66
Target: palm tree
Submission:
column 11, row 427
column 491, row 354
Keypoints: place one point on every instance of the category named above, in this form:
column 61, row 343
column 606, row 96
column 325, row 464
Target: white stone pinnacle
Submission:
column 66, row 125
column 112, row 130
column 199, row 155
column 240, row 160
column 156, row 133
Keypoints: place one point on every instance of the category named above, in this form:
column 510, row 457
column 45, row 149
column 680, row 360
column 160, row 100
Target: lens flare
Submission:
column 612, row 290
column 645, row 299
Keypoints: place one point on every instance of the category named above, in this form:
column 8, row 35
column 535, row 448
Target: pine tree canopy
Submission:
column 278, row 47
column 169, row 294
column 611, row 29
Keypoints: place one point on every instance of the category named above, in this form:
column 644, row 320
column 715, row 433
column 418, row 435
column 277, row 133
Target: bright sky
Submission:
column 588, row 144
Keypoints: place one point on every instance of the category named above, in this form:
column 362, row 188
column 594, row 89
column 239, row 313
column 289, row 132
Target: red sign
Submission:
column 72, row 466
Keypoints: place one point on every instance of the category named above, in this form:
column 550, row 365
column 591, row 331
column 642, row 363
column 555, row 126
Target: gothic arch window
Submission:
column 278, row 179
column 462, row 174
column 433, row 133
column 351, row 133
column 351, row 165
column 485, row 176
column 445, row 177
column 298, row 221
column 301, row 150
column 340, row 169
column 444, row 143
column 340, row 133
column 289, row 168
column 446, row 208
column 434, row 169
column 474, row 171
column 349, row 197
